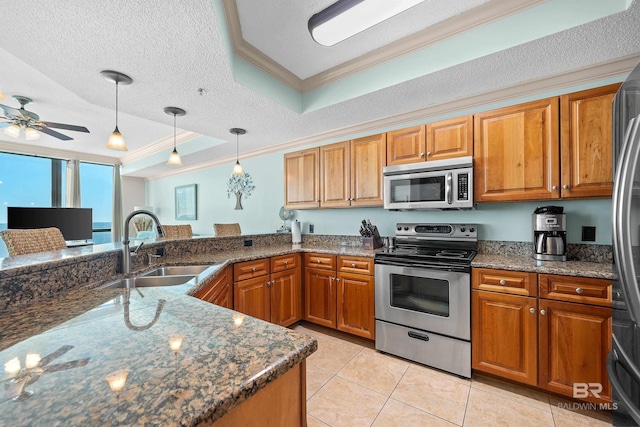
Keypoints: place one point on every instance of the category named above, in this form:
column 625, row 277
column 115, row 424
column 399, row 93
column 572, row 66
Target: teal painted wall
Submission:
column 503, row 221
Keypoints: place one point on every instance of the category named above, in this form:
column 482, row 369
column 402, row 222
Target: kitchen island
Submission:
column 226, row 361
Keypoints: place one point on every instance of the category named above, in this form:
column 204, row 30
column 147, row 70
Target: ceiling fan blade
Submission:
column 53, row 133
column 64, row 126
column 10, row 111
column 5, row 124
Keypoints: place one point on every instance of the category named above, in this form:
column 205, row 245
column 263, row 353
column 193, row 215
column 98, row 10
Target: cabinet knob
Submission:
column 566, row 186
column 337, row 279
column 543, row 312
column 421, row 154
column 286, row 262
column 579, row 290
column 503, row 282
column 253, row 269
column 319, row 261
column 332, row 279
column 532, row 310
column 555, row 187
column 428, row 153
column 353, row 265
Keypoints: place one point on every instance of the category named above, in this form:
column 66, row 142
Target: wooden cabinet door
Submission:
column 286, row 302
column 575, row 340
column 586, row 125
column 368, row 157
column 218, row 291
column 252, row 297
column 320, row 297
column 334, row 175
column 504, row 336
column 302, row 179
column 516, row 152
column 355, row 304
column 450, row 138
column 406, row 146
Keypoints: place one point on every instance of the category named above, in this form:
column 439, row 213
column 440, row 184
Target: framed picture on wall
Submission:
column 186, row 202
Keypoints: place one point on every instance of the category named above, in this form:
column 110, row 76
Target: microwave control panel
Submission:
column 463, row 186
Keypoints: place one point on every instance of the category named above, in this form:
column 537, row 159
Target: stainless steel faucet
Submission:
column 127, row 254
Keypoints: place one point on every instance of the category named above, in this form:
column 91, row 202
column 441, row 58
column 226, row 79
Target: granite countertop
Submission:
column 85, row 334
column 527, row 263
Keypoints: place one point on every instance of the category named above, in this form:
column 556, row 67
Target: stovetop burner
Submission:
column 448, row 253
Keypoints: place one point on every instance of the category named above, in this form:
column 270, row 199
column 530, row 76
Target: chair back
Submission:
column 177, row 231
column 33, row 240
column 227, row 229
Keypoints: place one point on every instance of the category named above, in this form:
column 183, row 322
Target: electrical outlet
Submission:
column 160, row 251
column 588, row 234
column 248, row 242
column 311, row 228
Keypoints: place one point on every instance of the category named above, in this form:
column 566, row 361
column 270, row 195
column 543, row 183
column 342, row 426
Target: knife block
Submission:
column 374, row 242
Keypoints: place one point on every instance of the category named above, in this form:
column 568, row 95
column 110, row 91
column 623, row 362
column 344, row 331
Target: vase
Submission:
column 238, row 200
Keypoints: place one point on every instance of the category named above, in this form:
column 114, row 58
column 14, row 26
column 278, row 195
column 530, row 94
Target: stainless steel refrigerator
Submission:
column 623, row 363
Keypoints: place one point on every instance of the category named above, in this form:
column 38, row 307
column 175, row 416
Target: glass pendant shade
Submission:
column 237, row 169
column 13, row 131
column 31, row 134
column 174, row 158
column 116, row 141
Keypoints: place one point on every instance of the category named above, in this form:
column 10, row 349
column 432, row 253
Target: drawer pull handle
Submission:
column 319, row 261
column 286, row 262
column 579, row 290
column 353, row 265
column 532, row 310
column 418, row 336
column 543, row 312
column 253, row 269
column 503, row 282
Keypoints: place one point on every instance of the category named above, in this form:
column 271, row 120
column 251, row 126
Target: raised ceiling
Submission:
column 53, row 52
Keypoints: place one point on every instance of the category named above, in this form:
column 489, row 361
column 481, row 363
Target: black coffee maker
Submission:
column 549, row 234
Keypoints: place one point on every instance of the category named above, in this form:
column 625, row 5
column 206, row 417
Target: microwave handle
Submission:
column 448, row 189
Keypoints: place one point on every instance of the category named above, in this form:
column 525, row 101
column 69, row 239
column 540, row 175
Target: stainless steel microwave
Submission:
column 435, row 184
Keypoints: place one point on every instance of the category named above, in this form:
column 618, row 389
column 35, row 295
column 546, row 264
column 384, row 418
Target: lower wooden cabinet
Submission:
column 504, row 335
column 544, row 342
column 219, row 291
column 575, row 340
column 273, row 297
column 341, row 299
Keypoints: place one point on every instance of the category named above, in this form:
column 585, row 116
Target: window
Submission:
column 40, row 182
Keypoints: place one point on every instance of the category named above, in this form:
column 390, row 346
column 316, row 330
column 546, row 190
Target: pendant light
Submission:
column 237, row 169
column 116, row 141
column 174, row 157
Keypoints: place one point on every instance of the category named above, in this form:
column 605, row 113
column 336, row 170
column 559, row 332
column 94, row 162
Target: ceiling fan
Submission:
column 19, row 118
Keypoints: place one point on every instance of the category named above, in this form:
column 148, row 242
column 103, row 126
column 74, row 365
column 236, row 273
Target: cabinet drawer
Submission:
column 505, row 281
column 284, row 262
column 321, row 261
column 358, row 265
column 250, row 269
column 575, row 289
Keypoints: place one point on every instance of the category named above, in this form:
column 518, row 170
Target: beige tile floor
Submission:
column 350, row 384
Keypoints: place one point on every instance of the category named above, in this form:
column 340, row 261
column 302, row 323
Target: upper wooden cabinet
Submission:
column 450, row 138
column 406, row 145
column 516, row 152
column 434, row 141
column 587, row 164
column 301, row 179
column 351, row 172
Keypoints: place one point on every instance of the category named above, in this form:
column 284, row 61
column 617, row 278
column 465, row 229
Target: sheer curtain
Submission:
column 72, row 196
column 116, row 217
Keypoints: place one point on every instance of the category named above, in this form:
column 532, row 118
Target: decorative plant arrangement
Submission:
column 240, row 185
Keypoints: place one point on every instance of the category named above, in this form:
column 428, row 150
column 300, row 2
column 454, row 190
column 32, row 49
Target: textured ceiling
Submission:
column 53, row 52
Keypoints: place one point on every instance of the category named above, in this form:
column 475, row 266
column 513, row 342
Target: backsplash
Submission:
column 575, row 251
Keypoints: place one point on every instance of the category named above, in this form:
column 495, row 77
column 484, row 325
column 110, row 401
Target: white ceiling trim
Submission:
column 482, row 15
column 593, row 73
column 158, row 146
column 55, row 153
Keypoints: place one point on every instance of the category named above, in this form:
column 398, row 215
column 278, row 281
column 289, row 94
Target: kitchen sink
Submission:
column 149, row 281
column 178, row 270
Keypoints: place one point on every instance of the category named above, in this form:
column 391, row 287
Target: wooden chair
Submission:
column 227, row 229
column 30, row 241
column 177, row 231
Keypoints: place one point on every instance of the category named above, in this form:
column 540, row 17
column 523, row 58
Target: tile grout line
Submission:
column 466, row 405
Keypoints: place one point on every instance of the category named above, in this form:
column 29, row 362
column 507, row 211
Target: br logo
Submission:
column 583, row 390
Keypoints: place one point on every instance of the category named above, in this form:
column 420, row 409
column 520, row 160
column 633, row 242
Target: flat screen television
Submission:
column 74, row 223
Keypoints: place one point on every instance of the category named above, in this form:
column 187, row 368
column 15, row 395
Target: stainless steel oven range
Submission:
column 423, row 295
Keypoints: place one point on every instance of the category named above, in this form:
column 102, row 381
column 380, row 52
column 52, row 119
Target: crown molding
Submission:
column 605, row 70
column 55, row 153
column 159, row 145
column 482, row 15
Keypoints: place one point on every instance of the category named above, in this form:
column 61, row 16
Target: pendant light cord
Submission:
column 116, row 104
column 174, row 131
column 237, row 150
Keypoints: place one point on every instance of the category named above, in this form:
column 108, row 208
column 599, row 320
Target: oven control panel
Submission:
column 438, row 231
